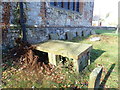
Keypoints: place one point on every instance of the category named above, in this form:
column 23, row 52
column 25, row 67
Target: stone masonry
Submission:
column 43, row 34
column 44, row 20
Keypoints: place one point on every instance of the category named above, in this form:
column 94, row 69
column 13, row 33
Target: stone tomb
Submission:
column 78, row 52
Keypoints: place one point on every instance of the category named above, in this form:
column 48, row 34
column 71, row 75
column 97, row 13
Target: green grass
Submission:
column 106, row 32
column 104, row 53
column 108, row 48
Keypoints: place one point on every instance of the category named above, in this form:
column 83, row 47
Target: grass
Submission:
column 104, row 53
column 106, row 32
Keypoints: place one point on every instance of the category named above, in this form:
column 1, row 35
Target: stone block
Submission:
column 74, row 34
column 93, row 32
column 76, row 65
column 54, row 36
column 88, row 32
column 80, row 64
column 52, row 58
column 85, row 33
column 62, row 37
column 69, row 35
column 84, row 61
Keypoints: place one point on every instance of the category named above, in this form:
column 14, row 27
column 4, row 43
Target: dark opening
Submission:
column 55, row 3
column 82, row 33
column 68, row 5
column 76, row 34
column 62, row 4
column 64, row 60
column 73, row 6
column 66, row 36
column 43, row 57
column 77, row 6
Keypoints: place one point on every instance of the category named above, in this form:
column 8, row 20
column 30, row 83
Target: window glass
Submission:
column 71, row 6
column 74, row 6
column 52, row 3
column 65, row 5
column 68, row 4
column 59, row 4
column 62, row 4
column 77, row 6
column 55, row 3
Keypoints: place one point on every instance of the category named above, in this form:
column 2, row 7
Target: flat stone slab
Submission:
column 95, row 39
column 64, row 48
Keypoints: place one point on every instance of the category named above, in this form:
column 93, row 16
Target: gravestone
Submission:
column 93, row 32
column 84, row 33
column 95, row 76
column 54, row 36
column 118, row 28
column 69, row 35
column 88, row 32
column 62, row 36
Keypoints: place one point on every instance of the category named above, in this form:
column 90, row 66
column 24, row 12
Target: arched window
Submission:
column 73, row 5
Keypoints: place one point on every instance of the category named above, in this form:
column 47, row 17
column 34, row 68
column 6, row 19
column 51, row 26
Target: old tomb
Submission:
column 78, row 52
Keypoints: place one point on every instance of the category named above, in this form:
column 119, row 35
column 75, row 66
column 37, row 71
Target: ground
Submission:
column 104, row 53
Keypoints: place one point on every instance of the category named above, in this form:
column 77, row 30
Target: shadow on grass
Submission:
column 102, row 85
column 95, row 53
column 77, row 39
